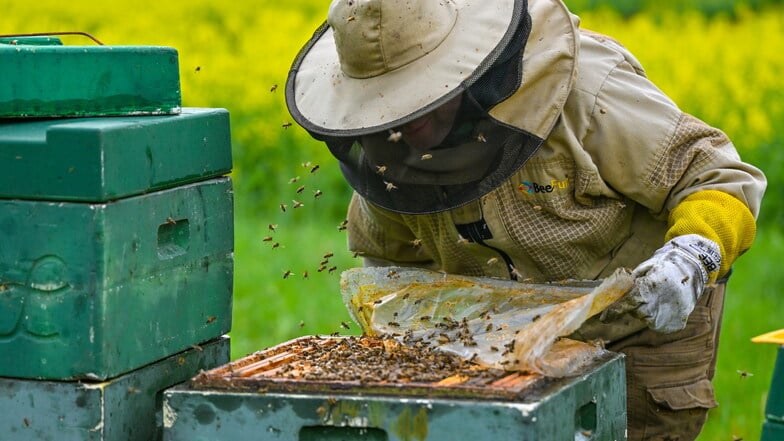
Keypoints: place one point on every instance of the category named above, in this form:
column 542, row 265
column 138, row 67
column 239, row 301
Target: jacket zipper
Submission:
column 478, row 232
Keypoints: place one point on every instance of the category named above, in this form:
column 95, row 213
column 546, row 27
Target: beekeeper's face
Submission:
column 431, row 129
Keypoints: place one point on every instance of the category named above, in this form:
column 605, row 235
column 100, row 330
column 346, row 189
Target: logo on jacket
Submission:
column 528, row 187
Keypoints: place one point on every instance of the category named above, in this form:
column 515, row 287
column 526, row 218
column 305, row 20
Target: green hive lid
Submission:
column 43, row 78
column 101, row 159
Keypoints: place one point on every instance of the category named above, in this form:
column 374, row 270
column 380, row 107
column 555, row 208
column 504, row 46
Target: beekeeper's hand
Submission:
column 668, row 285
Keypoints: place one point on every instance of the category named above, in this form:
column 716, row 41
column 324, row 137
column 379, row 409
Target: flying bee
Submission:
column 516, row 274
column 306, row 164
column 317, row 193
column 301, row 323
column 267, row 239
column 358, row 253
column 345, row 325
column 492, row 261
column 170, row 220
column 324, row 262
column 390, row 186
column 381, row 169
column 272, row 227
column 297, row 204
column 300, row 189
column 744, row 374
column 274, row 88
column 283, row 207
column 394, row 136
column 350, row 18
column 294, row 179
column 426, row 156
column 275, row 245
column 537, row 208
column 328, row 255
column 286, row 125
column 314, row 168
column 287, row 274
column 461, row 240
column 332, row 269
column 322, row 268
column 415, row 243
column 481, row 138
column 305, row 275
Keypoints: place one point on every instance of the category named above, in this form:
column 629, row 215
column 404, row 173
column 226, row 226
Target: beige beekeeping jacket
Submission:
column 618, row 156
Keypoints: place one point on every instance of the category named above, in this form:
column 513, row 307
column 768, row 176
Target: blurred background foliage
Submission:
column 720, row 60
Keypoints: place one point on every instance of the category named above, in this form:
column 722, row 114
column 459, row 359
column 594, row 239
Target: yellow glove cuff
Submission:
column 717, row 216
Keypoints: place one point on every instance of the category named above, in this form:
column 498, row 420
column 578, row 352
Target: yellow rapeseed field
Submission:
column 724, row 70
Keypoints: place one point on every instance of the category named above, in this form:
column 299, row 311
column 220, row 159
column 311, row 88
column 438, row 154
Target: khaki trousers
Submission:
column 668, row 376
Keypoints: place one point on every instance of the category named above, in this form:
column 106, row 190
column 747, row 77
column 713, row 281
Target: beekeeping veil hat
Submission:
column 375, row 65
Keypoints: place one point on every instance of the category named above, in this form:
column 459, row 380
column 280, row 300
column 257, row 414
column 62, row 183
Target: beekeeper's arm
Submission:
column 682, row 170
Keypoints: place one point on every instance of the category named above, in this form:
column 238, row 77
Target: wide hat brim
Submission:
column 324, row 100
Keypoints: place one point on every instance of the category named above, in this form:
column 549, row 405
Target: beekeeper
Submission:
column 496, row 138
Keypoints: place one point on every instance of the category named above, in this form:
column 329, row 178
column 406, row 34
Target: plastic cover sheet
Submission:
column 497, row 323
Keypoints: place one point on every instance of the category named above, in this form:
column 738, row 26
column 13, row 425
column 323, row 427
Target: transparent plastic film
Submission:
column 496, row 323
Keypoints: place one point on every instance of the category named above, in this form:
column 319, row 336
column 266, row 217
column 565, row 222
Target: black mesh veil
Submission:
column 478, row 155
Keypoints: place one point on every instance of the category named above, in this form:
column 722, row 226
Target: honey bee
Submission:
column 394, row 324
column 426, row 156
column 492, row 261
column 272, row 227
column 314, row 168
column 301, row 323
column 350, row 18
column 324, row 262
column 416, row 242
column 328, row 255
column 283, row 207
column 358, row 253
column 537, row 208
column 345, row 325
column 286, row 125
column 321, row 268
column 274, row 88
column 211, row 319
column 267, row 239
column 133, row 390
column 297, row 204
column 744, row 374
column 481, row 138
column 275, row 245
column 300, row 189
column 461, row 240
column 332, row 269
column 390, row 186
column 197, row 69
column 381, row 169
column 317, row 193
column 305, row 275
column 306, row 164
column 294, row 179
column 170, row 220
column 286, row 274
column 392, row 274
column 394, row 136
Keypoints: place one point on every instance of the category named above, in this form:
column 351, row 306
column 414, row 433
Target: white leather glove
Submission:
column 668, row 285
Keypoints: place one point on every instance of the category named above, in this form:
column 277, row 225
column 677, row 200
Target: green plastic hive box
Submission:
column 43, row 78
column 94, row 290
column 101, row 159
column 127, row 408
column 590, row 406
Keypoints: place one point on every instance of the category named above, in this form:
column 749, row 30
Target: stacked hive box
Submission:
column 773, row 427
column 116, row 239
